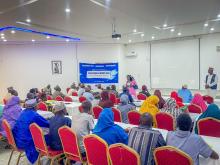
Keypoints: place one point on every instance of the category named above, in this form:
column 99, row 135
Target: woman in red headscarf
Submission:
column 179, row 100
column 105, row 102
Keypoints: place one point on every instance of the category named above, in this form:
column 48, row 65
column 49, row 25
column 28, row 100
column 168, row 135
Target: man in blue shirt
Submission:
column 56, row 122
column 185, row 94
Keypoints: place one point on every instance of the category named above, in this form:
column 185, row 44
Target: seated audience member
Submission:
column 72, row 89
column 73, row 85
column 81, row 90
column 150, row 106
column 108, row 130
column 11, row 113
column 170, row 107
column 105, row 101
column 30, row 96
column 113, row 90
column 125, row 91
column 47, row 90
column 144, row 139
column 57, row 92
column 179, row 100
column 21, row 131
column 125, row 107
column 98, row 88
column 188, row 142
column 161, row 100
column 43, row 97
column 83, row 124
column 145, row 91
column 56, row 122
column 108, row 88
column 185, row 94
column 212, row 111
column 88, row 95
column 198, row 100
column 8, row 95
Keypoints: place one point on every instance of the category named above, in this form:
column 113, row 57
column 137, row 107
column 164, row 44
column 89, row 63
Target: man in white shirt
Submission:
column 211, row 83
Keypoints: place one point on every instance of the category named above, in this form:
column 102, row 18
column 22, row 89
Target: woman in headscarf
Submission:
column 11, row 112
column 170, row 107
column 212, row 111
column 57, row 92
column 125, row 107
column 145, row 91
column 105, row 102
column 108, row 130
column 150, row 105
column 179, row 100
column 198, row 100
column 161, row 100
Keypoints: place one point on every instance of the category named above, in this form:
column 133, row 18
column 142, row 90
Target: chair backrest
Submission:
column 113, row 98
column 80, row 109
column 96, row 110
column 165, row 121
column 68, row 99
column 118, row 100
column 141, row 96
column 6, row 126
column 42, row 106
column 4, row 101
column 168, row 155
column 74, row 94
column 96, row 150
column 38, row 138
column 209, row 127
column 208, row 99
column 59, row 98
column 117, row 115
column 67, row 90
column 49, row 97
column 134, row 117
column 70, row 143
column 193, row 108
column 81, row 99
column 121, row 154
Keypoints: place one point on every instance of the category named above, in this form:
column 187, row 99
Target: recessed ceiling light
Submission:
column 218, row 16
column 164, row 25
column 152, row 37
column 118, row 38
column 179, row 34
column 67, row 40
column 206, row 24
column 12, row 32
column 135, row 30
column 2, row 34
column 33, row 40
column 129, row 41
column 48, row 37
column 142, row 35
column 172, row 30
column 28, row 20
column 2, row 37
column 67, row 10
column 212, row 29
column 5, row 40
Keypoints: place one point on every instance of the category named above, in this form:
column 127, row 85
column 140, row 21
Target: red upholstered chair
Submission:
column 80, row 109
column 141, row 96
column 59, row 98
column 118, row 100
column 96, row 110
column 209, row 127
column 68, row 99
column 11, row 141
column 113, row 98
column 121, row 154
column 4, row 101
column 74, row 94
column 165, row 121
column 41, row 146
column 117, row 115
column 81, row 99
column 70, row 145
column 134, row 117
column 193, row 108
column 42, row 106
column 168, row 155
column 49, row 97
column 67, row 90
column 96, row 150
column 208, row 99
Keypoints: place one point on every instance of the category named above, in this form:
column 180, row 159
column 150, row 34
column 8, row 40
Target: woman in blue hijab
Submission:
column 212, row 111
column 108, row 130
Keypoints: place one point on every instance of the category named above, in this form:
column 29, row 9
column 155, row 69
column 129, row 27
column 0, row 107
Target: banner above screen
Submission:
column 98, row 73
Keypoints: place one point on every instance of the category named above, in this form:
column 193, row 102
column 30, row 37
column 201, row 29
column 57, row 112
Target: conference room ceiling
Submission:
column 91, row 20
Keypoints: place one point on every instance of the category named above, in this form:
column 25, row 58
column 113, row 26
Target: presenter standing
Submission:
column 131, row 85
column 211, row 82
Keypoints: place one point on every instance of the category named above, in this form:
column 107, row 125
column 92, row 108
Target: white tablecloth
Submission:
column 72, row 107
column 45, row 114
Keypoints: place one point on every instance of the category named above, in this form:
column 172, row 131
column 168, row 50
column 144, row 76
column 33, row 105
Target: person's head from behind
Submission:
column 124, row 99
column 184, row 86
column 108, row 88
column 10, row 89
column 31, row 104
column 157, row 93
column 14, row 93
column 104, row 95
column 210, row 70
column 87, row 89
column 113, row 87
column 99, row 86
column 125, row 89
column 57, row 88
column 146, row 119
column 30, row 96
column 43, row 97
column 33, row 90
column 82, row 86
column 86, row 107
column 48, row 86
column 60, row 108
column 144, row 88
column 184, row 122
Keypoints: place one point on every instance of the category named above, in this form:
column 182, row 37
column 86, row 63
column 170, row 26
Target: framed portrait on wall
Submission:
column 56, row 67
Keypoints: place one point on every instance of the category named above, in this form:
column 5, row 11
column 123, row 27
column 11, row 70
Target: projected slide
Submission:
column 98, row 73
